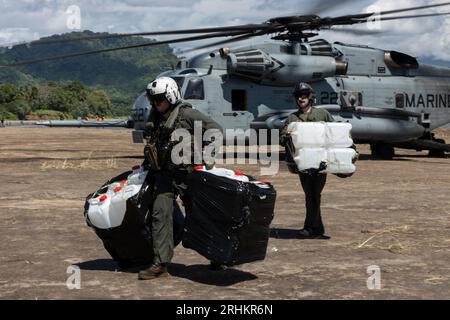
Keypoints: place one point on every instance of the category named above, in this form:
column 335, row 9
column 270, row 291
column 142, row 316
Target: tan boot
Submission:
column 156, row 270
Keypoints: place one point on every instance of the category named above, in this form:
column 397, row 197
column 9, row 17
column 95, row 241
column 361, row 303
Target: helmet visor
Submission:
column 155, row 98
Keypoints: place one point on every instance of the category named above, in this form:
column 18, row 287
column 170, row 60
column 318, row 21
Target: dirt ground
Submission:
column 390, row 214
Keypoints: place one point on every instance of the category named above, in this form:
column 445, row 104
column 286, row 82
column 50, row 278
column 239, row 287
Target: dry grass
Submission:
column 387, row 239
column 82, row 165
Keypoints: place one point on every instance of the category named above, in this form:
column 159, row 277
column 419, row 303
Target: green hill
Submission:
column 122, row 74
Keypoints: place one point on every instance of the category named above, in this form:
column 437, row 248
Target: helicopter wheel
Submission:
column 437, row 153
column 382, row 151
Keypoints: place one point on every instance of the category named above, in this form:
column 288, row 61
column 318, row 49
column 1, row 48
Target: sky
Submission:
column 26, row 20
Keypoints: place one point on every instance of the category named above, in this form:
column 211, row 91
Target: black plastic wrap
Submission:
column 229, row 220
column 130, row 244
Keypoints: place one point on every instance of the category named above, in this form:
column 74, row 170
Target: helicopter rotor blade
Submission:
column 378, row 18
column 364, row 17
column 218, row 43
column 147, row 44
column 373, row 16
column 415, row 8
column 302, row 23
column 357, row 32
column 414, row 16
column 247, row 27
column 231, row 40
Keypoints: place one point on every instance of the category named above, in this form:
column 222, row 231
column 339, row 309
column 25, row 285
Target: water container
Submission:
column 114, row 186
column 137, row 177
column 107, row 210
column 310, row 158
column 337, row 135
column 340, row 161
column 318, row 142
column 240, row 177
column 99, row 211
column 321, row 135
column 227, row 173
column 117, row 209
column 130, row 191
column 308, row 134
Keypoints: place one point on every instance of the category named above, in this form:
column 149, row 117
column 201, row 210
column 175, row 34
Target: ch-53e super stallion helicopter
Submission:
column 389, row 98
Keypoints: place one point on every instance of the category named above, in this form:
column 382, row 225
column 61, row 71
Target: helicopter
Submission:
column 390, row 99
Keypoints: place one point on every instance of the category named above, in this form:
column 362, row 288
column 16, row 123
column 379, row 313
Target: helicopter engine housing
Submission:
column 283, row 69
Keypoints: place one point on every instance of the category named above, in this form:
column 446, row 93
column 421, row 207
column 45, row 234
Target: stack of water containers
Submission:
column 323, row 142
column 107, row 208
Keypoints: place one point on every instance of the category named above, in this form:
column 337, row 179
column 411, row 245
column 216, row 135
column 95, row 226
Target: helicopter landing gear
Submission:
column 436, row 153
column 382, row 151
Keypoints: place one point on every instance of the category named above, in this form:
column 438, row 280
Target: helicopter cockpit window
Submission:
column 189, row 71
column 195, row 90
column 179, row 81
column 239, row 100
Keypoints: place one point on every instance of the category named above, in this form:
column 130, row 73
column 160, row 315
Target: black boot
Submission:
column 310, row 234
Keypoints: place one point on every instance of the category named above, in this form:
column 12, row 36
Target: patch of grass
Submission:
column 83, row 165
column 386, row 239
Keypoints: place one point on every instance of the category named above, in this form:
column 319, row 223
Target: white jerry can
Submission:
column 223, row 172
column 308, row 134
column 310, row 158
column 340, row 161
column 337, row 135
column 108, row 210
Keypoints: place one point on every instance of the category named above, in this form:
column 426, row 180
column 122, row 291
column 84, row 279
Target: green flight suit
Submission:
column 312, row 183
column 170, row 178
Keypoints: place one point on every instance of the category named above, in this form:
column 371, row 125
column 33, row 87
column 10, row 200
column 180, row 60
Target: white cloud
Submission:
column 11, row 36
column 418, row 37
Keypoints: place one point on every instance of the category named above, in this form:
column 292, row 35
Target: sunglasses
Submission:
column 157, row 98
column 302, row 96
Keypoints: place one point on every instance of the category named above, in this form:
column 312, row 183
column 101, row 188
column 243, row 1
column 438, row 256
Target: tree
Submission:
column 20, row 108
column 8, row 93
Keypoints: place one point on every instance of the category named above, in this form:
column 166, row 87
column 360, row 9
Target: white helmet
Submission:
column 163, row 88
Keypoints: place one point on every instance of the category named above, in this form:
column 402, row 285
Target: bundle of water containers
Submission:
column 108, row 206
column 318, row 143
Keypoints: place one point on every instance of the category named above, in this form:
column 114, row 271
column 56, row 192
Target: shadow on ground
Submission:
column 197, row 273
column 288, row 234
column 99, row 265
column 202, row 274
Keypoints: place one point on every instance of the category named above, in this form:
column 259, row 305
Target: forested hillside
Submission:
column 114, row 79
